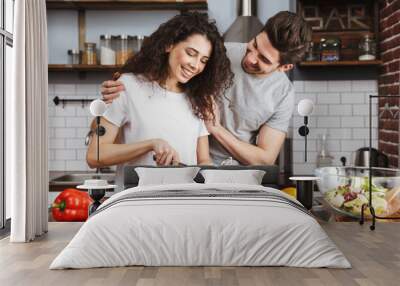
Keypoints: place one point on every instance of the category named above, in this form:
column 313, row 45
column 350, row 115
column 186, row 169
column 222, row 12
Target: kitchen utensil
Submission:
column 378, row 159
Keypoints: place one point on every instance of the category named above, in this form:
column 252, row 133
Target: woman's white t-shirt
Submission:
column 147, row 111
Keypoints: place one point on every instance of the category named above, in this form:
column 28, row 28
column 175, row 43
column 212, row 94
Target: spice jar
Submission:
column 124, row 50
column 107, row 53
column 74, row 57
column 367, row 49
column 89, row 56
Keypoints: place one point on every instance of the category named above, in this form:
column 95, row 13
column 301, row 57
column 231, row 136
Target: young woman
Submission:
column 170, row 87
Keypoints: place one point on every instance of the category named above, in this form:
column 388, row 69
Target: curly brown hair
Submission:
column 152, row 60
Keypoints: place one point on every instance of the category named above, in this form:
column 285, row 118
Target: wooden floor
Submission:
column 375, row 257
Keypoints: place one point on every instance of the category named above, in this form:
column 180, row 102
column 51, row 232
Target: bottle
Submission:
column 324, row 159
column 107, row 53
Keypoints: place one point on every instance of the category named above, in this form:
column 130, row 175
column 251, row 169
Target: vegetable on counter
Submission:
column 350, row 197
column 71, row 205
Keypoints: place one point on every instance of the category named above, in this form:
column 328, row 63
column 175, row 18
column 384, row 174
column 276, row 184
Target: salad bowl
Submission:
column 346, row 190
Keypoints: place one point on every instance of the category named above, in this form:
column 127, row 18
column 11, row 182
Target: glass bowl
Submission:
column 346, row 189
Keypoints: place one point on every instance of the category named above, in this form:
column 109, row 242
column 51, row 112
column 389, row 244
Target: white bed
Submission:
column 221, row 225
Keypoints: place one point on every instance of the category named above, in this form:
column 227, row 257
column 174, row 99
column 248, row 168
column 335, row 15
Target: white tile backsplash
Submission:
column 339, row 86
column 315, row 86
column 65, row 154
column 68, row 126
column 76, row 122
column 301, row 95
column 343, row 133
column 56, row 143
column 68, row 110
column 65, row 132
column 369, row 86
column 356, row 97
column 328, row 98
column 352, row 121
column 328, row 121
column 341, row 111
column 298, row 86
column 362, row 109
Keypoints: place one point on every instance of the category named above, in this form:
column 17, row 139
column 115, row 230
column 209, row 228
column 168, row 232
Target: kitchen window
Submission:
column 6, row 45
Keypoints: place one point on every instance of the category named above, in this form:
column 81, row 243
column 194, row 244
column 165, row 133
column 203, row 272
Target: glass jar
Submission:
column 74, row 57
column 107, row 52
column 89, row 56
column 330, row 49
column 367, row 49
column 124, row 50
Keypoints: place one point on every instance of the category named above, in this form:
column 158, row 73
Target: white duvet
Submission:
column 208, row 230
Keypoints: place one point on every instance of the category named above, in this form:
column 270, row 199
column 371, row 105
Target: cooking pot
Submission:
column 378, row 159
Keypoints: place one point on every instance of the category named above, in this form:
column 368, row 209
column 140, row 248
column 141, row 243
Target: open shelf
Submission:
column 340, row 63
column 81, row 68
column 128, row 4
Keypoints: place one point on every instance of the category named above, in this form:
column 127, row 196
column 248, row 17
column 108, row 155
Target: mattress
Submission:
column 201, row 225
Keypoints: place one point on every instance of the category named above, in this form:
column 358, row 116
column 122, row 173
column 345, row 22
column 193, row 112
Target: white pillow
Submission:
column 249, row 177
column 164, row 176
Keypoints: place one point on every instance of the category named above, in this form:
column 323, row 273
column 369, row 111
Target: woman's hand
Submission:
column 164, row 153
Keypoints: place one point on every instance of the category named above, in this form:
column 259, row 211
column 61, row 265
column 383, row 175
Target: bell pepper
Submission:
column 71, row 205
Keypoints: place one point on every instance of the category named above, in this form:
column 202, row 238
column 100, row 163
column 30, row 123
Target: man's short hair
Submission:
column 290, row 34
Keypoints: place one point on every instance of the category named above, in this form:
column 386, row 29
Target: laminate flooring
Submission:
column 374, row 255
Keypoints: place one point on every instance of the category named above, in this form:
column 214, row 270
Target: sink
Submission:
column 79, row 178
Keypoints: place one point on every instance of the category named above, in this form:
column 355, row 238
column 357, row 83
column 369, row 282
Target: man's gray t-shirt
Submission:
column 252, row 102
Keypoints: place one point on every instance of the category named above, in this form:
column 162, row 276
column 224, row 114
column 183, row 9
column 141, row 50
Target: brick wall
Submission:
column 389, row 79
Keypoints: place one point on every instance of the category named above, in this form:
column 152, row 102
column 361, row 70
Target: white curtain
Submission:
column 26, row 117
